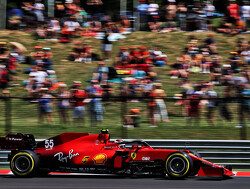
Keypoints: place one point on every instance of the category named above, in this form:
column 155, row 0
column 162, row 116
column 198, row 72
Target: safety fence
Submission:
column 222, row 152
column 28, row 115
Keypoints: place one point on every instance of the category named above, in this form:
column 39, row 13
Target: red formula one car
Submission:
column 81, row 152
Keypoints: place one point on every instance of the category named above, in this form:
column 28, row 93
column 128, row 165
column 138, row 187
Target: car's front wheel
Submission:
column 24, row 163
column 178, row 165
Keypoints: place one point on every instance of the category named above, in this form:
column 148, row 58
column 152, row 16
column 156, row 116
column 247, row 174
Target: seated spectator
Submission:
column 41, row 32
column 14, row 20
column 133, row 55
column 245, row 54
column 226, row 75
column 101, row 73
column 234, row 61
column 132, row 119
column 54, row 28
column 94, row 25
column 47, row 58
column 122, row 57
column 143, row 54
column 86, row 53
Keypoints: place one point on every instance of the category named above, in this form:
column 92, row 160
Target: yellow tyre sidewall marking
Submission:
column 185, row 158
column 24, row 154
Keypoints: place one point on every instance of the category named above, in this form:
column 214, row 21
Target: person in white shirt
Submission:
column 152, row 10
column 245, row 10
column 38, row 10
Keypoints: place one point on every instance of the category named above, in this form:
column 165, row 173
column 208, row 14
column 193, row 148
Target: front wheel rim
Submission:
column 177, row 165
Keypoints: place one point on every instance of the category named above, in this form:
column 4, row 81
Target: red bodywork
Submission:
column 81, row 152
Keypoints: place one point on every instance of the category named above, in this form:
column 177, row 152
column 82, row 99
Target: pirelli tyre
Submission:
column 178, row 165
column 24, row 163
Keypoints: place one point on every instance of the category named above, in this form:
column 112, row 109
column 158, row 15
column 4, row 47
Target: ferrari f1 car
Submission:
column 81, row 152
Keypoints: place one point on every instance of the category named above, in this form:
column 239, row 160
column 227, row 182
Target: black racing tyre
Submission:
column 24, row 163
column 196, row 164
column 178, row 165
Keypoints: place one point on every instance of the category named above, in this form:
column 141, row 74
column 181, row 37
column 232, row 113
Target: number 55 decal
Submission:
column 49, row 144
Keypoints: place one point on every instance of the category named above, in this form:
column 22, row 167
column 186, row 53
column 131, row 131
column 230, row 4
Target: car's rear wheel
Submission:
column 178, row 165
column 24, row 163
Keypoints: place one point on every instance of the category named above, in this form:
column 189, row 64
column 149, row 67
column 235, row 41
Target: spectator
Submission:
column 171, row 9
column 63, row 104
column 182, row 15
column 33, row 88
column 4, row 78
column 193, row 108
column 245, row 54
column 38, row 74
column 122, row 57
column 101, row 73
column 95, row 93
column 234, row 61
column 161, row 110
column 152, row 10
column 142, row 8
column 54, row 28
column 14, row 20
column 77, row 96
column 245, row 10
column 233, row 10
column 45, row 106
column 86, row 53
column 3, row 53
column 212, row 103
column 38, row 10
column 209, row 11
column 106, row 46
column 12, row 67
column 132, row 119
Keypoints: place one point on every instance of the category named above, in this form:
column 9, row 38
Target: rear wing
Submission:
column 18, row 141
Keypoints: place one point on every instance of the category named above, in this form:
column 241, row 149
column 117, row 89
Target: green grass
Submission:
column 25, row 115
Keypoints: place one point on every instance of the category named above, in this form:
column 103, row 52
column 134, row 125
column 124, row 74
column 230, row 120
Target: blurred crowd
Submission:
column 132, row 77
column 71, row 19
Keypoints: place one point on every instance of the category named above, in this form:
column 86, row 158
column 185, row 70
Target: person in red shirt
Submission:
column 3, row 77
column 133, row 55
column 12, row 66
column 143, row 55
column 86, row 53
column 77, row 101
column 233, row 11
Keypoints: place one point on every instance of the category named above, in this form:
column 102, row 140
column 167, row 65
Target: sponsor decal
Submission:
column 65, row 159
column 100, row 159
column 145, row 158
column 85, row 159
column 133, row 155
column 123, row 72
column 13, row 139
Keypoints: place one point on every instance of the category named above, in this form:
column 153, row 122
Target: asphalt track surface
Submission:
column 112, row 182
